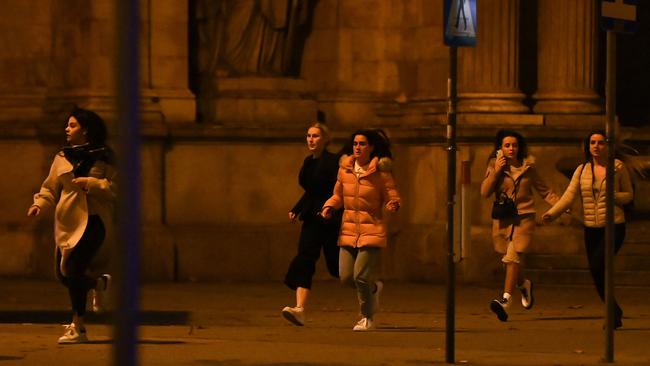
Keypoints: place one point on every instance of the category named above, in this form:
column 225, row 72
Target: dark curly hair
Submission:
column 93, row 125
column 522, row 153
column 377, row 138
column 585, row 144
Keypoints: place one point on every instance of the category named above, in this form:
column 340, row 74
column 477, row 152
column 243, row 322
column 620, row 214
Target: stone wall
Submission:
column 215, row 195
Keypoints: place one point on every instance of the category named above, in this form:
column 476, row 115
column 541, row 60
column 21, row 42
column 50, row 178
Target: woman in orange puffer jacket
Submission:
column 364, row 186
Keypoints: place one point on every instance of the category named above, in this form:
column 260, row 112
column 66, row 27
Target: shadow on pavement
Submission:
column 62, row 317
column 240, row 363
column 110, row 341
column 10, row 358
column 567, row 318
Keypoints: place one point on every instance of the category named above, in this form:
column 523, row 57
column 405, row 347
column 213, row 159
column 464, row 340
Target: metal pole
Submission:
column 451, row 192
column 128, row 209
column 465, row 211
column 610, row 111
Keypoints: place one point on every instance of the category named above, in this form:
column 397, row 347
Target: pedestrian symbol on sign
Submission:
column 460, row 22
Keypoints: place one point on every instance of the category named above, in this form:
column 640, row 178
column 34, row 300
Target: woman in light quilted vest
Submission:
column 511, row 172
column 364, row 187
column 588, row 183
column 80, row 188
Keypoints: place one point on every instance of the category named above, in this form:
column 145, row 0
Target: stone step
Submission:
column 635, row 248
column 624, row 261
column 638, row 231
column 583, row 277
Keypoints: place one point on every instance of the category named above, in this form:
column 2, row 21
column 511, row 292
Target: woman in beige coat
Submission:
column 80, row 188
column 364, row 187
column 511, row 172
column 588, row 183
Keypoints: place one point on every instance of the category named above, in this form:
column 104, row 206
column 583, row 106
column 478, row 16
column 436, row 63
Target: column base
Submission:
column 262, row 102
column 24, row 105
column 492, row 103
column 175, row 105
column 58, row 104
column 569, row 103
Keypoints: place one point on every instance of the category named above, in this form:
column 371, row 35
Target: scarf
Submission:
column 83, row 157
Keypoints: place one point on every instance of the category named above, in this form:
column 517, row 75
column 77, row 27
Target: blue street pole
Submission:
column 128, row 209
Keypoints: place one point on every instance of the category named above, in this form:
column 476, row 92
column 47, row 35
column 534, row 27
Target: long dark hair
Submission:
column 93, row 125
column 83, row 157
column 586, row 143
column 377, row 138
column 522, row 153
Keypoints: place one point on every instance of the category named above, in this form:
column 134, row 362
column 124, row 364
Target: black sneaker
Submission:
column 527, row 299
column 499, row 306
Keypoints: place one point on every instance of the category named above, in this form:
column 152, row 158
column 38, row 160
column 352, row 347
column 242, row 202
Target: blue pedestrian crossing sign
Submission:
column 460, row 23
column 619, row 15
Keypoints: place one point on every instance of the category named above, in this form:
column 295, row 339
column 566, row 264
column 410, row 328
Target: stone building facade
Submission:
column 222, row 143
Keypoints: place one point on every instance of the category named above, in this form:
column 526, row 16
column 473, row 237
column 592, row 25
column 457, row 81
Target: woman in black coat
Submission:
column 317, row 177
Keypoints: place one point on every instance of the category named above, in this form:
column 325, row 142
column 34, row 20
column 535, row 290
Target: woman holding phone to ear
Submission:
column 364, row 187
column 511, row 173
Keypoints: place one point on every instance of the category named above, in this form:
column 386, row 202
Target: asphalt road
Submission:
column 239, row 324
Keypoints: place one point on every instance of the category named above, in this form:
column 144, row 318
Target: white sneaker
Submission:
column 100, row 293
column 379, row 286
column 295, row 315
column 73, row 335
column 527, row 299
column 363, row 325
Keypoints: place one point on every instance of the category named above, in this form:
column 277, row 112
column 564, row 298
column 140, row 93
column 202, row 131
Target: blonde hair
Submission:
column 324, row 130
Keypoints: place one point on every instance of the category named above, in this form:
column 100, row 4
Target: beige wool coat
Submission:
column 518, row 230
column 72, row 205
column 594, row 202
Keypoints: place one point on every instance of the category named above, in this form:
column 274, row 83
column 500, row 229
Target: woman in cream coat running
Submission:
column 80, row 188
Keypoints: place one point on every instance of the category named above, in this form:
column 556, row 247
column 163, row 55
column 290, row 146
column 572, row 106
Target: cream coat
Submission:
column 593, row 205
column 363, row 199
column 73, row 205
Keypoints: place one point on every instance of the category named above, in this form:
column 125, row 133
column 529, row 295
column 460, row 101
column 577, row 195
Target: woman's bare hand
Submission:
column 392, row 205
column 500, row 163
column 81, row 182
column 33, row 210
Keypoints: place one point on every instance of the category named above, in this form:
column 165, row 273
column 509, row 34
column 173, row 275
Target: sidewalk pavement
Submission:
column 239, row 324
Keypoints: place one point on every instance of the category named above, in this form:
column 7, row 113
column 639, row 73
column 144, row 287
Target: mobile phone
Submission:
column 499, row 154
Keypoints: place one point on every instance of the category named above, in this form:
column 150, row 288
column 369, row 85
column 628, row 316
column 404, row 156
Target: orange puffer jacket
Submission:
column 363, row 199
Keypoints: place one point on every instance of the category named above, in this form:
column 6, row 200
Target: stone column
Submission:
column 489, row 73
column 82, row 69
column 567, row 52
column 25, row 40
column 165, row 76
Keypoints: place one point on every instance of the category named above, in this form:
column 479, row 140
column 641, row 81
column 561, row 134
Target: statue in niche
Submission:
column 251, row 37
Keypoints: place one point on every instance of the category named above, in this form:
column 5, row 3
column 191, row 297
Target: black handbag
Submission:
column 505, row 207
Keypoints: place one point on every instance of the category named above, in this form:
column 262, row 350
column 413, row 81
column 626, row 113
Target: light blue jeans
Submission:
column 359, row 268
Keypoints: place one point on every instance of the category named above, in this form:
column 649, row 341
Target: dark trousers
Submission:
column 595, row 247
column 314, row 235
column 76, row 279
